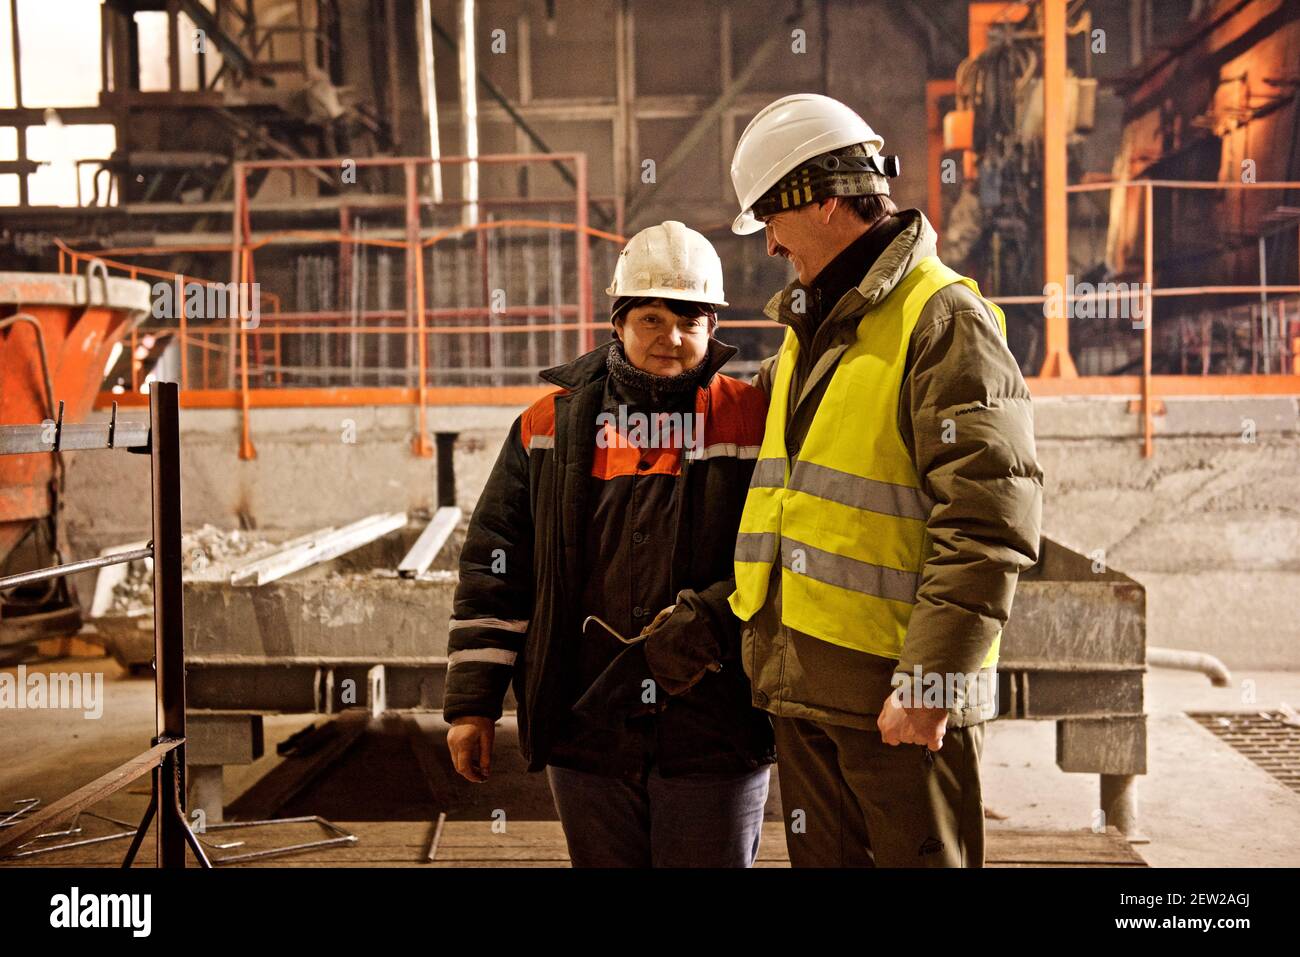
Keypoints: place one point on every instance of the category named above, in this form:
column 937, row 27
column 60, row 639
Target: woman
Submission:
column 618, row 496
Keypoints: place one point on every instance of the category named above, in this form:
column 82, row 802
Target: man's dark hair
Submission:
column 870, row 208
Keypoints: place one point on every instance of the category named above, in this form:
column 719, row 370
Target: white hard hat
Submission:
column 783, row 135
column 669, row 261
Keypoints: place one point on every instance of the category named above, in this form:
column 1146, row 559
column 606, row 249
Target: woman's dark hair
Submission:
column 680, row 307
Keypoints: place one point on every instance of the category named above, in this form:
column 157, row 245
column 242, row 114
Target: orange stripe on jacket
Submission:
column 538, row 419
column 733, row 412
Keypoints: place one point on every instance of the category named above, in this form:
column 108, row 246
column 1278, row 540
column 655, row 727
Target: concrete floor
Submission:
column 1202, row 803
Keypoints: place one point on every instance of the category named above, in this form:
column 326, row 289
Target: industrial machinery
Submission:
column 57, row 333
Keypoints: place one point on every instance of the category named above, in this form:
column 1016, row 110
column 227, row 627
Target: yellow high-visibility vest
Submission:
column 847, row 519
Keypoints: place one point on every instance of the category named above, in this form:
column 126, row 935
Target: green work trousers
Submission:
column 850, row 800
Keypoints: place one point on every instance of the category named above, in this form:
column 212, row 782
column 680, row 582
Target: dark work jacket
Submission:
column 523, row 591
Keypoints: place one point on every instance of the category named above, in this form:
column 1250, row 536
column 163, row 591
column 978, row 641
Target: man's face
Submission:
column 659, row 341
column 799, row 235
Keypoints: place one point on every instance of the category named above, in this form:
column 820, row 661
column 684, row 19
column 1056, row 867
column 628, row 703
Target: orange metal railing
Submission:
column 71, row 260
column 239, row 348
column 238, row 338
column 1148, row 386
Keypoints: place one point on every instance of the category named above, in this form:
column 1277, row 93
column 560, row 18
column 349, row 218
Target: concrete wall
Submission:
column 306, row 474
column 1210, row 525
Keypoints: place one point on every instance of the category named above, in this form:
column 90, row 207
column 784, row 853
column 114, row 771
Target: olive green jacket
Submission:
column 965, row 415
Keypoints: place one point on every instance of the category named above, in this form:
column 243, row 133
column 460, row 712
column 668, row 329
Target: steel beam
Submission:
column 168, row 619
column 303, row 687
column 1109, row 745
column 318, row 548
column 220, row 738
column 1056, row 261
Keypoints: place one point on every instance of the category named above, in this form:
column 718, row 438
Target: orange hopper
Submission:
column 80, row 320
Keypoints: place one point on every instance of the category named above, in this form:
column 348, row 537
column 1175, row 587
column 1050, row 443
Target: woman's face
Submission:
column 659, row 341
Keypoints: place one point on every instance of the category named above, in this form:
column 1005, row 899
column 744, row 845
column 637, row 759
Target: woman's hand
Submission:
column 470, row 742
column 659, row 619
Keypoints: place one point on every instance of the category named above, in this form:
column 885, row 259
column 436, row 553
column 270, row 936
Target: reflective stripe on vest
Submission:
column 848, row 522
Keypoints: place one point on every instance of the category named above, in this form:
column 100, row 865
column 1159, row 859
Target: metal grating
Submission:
column 1270, row 739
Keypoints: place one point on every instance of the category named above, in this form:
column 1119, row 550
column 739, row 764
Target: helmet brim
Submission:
column 746, row 223
column 661, row 292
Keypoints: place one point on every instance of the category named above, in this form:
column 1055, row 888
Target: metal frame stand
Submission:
column 166, row 756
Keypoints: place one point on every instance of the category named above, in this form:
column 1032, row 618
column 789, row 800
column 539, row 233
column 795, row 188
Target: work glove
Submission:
column 674, row 652
column 681, row 645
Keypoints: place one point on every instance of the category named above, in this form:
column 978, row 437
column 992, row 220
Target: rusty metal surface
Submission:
column 52, row 289
column 79, row 324
column 269, row 687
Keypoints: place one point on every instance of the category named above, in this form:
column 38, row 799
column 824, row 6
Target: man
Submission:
column 895, row 501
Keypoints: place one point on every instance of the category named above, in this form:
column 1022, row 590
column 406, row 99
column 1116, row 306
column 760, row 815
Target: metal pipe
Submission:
column 584, row 253
column 344, row 838
column 26, row 805
column 168, row 614
column 236, row 247
column 437, row 836
column 1148, row 278
column 446, row 471
column 58, row 571
column 63, row 847
column 1206, row 664
column 556, row 279
column 1263, row 302
column 486, row 158
column 40, row 346
column 430, row 91
column 465, row 29
column 415, row 267
column 246, row 450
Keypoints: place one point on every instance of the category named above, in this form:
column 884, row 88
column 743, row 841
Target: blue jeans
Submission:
column 696, row 820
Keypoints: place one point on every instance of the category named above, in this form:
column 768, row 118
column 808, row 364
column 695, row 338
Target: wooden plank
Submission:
column 26, row 827
column 1009, row 846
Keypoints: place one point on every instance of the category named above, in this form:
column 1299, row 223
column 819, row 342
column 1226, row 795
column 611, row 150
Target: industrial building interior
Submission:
column 427, row 200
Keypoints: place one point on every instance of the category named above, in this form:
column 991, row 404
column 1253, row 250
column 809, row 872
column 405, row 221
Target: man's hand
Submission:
column 470, row 742
column 899, row 725
column 659, row 619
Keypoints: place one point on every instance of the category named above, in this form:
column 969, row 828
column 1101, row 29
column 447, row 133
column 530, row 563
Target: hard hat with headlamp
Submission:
column 777, row 146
